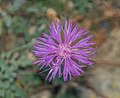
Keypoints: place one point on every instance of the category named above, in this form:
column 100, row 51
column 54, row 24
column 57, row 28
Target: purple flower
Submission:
column 65, row 51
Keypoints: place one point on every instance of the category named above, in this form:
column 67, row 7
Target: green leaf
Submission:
column 2, row 94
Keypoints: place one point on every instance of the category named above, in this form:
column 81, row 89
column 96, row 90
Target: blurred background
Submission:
column 21, row 21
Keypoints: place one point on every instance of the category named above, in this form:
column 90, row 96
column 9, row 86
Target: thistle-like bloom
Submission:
column 65, row 51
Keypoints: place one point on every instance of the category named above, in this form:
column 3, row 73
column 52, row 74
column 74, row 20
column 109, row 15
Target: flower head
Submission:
column 64, row 51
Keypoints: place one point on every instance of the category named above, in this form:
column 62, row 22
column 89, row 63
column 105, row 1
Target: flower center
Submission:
column 64, row 51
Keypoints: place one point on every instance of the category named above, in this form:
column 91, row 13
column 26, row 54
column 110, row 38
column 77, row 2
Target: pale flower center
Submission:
column 64, row 51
